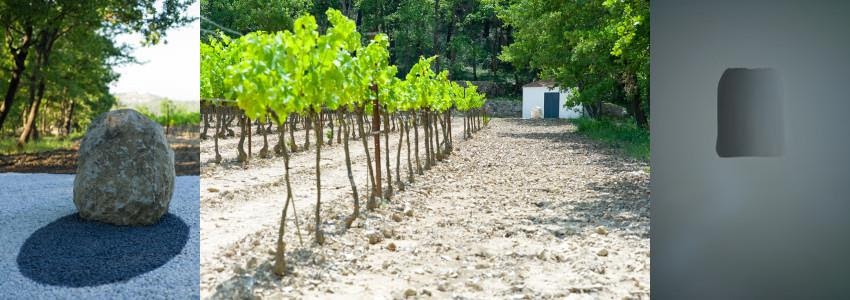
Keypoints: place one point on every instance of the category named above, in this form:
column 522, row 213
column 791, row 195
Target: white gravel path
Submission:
column 29, row 202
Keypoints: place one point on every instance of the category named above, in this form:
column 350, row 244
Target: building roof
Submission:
column 541, row 83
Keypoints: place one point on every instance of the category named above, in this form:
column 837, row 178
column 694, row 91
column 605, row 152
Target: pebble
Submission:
column 601, row 230
column 388, row 232
column 602, row 252
column 391, row 246
column 375, row 237
column 409, row 293
column 396, row 217
column 474, row 286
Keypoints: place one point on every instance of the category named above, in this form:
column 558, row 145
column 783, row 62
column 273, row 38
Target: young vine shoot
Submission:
column 309, row 78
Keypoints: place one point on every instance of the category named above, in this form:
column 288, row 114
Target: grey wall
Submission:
column 750, row 227
column 504, row 108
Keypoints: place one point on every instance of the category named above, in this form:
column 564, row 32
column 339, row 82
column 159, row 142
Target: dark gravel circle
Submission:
column 74, row 252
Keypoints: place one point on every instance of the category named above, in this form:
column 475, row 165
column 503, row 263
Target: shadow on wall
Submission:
column 74, row 252
column 749, row 113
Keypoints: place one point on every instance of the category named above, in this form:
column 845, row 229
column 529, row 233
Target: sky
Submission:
column 168, row 69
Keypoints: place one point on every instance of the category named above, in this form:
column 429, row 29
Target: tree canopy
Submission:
column 599, row 47
column 57, row 57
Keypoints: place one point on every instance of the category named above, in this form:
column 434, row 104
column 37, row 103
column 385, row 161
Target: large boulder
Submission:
column 125, row 170
column 613, row 110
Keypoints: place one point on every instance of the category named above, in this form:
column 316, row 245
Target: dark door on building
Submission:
column 550, row 105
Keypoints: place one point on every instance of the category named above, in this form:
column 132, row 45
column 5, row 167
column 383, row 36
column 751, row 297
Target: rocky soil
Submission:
column 525, row 209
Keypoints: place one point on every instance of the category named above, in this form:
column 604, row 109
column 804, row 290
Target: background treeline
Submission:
column 598, row 47
column 171, row 115
column 57, row 57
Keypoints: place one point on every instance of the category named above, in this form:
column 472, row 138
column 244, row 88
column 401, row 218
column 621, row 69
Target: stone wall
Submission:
column 504, row 108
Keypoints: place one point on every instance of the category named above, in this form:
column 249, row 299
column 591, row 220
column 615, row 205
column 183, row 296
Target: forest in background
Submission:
column 57, row 59
column 599, row 48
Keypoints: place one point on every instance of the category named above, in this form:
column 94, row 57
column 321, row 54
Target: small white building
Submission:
column 549, row 98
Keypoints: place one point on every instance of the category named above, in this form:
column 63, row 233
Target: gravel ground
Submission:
column 46, row 253
column 232, row 194
column 526, row 209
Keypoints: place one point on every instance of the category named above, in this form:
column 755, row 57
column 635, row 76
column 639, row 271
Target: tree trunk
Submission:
column 280, row 262
column 331, row 124
column 398, row 154
column 356, row 212
column 637, row 111
column 426, row 127
column 29, row 125
column 306, row 134
column 291, row 125
column 389, row 192
column 339, row 134
column 242, row 157
column 66, row 123
column 416, row 142
column 432, row 137
column 264, row 152
column 42, row 60
column 19, row 55
column 406, row 127
column 281, row 140
column 376, row 136
column 248, row 127
column 369, row 171
column 218, row 124
column 206, row 119
column 450, row 145
column 320, row 237
column 437, row 118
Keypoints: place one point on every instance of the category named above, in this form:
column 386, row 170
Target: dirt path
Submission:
column 525, row 209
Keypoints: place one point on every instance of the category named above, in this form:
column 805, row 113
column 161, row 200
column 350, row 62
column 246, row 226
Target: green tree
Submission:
column 34, row 31
column 599, row 47
column 239, row 17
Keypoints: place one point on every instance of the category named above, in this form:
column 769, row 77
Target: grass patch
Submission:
column 8, row 145
column 622, row 134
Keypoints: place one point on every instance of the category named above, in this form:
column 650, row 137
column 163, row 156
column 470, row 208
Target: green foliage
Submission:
column 304, row 71
column 9, row 145
column 625, row 135
column 598, row 47
column 67, row 50
column 244, row 16
column 171, row 115
column 216, row 55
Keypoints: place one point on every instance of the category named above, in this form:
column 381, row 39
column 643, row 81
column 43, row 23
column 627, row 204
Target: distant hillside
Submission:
column 152, row 102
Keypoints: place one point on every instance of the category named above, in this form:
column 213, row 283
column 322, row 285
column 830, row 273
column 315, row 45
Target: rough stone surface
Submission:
column 504, row 108
column 613, row 110
column 125, row 170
